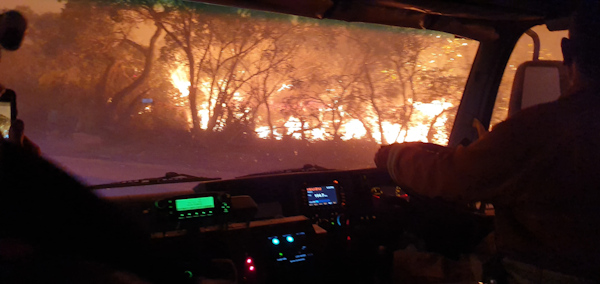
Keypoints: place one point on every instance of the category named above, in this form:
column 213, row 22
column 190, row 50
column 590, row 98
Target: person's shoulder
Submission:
column 551, row 116
column 532, row 119
column 563, row 106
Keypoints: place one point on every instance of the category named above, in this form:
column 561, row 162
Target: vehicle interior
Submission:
column 270, row 181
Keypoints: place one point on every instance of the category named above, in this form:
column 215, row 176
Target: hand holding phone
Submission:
column 8, row 110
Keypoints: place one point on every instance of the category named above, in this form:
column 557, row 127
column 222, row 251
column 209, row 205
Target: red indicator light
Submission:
column 348, row 238
column 249, row 260
column 251, row 268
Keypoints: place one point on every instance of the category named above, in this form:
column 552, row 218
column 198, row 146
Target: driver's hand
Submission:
column 481, row 130
column 16, row 135
column 381, row 157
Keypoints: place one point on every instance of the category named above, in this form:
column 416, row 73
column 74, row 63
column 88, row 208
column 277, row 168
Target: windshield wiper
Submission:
column 169, row 177
column 305, row 168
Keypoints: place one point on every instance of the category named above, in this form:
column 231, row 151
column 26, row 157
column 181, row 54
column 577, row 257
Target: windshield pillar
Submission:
column 482, row 86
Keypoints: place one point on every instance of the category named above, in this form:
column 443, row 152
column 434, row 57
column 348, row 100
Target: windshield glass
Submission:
column 118, row 91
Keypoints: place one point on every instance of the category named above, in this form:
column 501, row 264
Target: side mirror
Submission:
column 537, row 82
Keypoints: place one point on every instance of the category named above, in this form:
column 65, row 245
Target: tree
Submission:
column 98, row 57
column 188, row 31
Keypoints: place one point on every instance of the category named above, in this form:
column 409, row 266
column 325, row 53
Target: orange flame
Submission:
column 417, row 129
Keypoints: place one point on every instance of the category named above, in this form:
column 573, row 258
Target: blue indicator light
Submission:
column 290, row 239
column 275, row 241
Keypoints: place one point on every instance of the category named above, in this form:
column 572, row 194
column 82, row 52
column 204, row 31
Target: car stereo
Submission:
column 322, row 195
column 324, row 203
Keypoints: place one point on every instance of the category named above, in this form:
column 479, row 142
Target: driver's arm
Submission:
column 477, row 172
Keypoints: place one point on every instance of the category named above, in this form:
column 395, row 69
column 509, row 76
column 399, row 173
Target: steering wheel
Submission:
column 448, row 228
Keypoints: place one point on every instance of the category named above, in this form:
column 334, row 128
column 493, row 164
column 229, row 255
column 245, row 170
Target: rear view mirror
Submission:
column 537, row 82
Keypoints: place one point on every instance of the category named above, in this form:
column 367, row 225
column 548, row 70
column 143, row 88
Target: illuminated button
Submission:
column 189, row 274
column 196, row 213
column 248, row 260
column 251, row 268
column 290, row 239
column 280, row 254
column 209, row 212
column 275, row 241
column 181, row 215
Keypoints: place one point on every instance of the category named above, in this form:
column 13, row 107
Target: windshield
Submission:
column 124, row 91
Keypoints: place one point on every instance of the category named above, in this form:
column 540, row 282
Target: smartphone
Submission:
column 8, row 111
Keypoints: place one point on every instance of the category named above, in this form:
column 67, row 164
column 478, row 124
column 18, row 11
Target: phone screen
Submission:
column 5, row 116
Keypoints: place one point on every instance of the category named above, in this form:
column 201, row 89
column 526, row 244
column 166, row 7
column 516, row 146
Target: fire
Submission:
column 353, row 129
column 293, row 124
column 180, row 80
column 416, row 130
column 432, row 109
column 421, row 121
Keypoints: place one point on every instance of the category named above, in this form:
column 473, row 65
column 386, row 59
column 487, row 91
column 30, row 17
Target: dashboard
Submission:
column 320, row 227
column 324, row 197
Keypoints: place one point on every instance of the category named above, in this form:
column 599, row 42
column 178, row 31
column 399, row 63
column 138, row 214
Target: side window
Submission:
column 550, row 50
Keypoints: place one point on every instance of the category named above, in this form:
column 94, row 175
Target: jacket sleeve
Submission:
column 475, row 172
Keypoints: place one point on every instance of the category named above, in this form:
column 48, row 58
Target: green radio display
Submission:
column 196, row 203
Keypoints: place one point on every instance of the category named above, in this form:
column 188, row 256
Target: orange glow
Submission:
column 353, row 129
column 293, row 124
column 427, row 119
column 417, row 129
column 179, row 79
